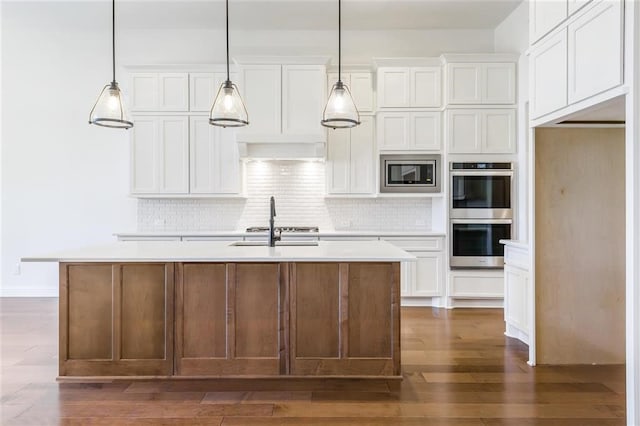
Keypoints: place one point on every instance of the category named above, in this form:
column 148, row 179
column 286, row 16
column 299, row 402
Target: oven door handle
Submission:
column 482, row 221
column 474, row 173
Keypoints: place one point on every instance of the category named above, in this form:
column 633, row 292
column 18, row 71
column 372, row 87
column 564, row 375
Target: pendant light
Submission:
column 340, row 111
column 109, row 110
column 228, row 110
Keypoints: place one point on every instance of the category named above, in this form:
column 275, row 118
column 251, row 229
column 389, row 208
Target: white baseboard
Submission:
column 476, row 303
column 436, row 302
column 28, row 292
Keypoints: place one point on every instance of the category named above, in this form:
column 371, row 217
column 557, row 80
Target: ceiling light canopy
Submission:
column 228, row 110
column 340, row 111
column 109, row 109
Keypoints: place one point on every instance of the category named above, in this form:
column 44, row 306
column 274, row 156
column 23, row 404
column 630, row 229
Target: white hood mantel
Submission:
column 282, row 146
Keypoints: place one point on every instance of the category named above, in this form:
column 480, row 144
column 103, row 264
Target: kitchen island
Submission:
column 207, row 309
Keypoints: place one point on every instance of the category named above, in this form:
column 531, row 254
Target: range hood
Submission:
column 282, row 146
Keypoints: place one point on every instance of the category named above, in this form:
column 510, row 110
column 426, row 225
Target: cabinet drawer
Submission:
column 349, row 238
column 212, row 238
column 477, row 285
column 416, row 243
column 145, row 238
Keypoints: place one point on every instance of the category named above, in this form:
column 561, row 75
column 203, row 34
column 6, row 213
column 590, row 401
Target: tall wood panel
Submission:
column 345, row 319
column 116, row 319
column 229, row 319
column 580, row 246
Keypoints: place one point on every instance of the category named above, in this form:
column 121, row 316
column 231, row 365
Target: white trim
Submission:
column 531, row 217
column 632, row 186
column 29, row 292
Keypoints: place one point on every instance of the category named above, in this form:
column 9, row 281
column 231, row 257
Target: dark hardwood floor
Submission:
column 458, row 369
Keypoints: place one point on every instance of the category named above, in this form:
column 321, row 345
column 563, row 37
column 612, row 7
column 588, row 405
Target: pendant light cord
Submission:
column 113, row 38
column 227, row 10
column 339, row 40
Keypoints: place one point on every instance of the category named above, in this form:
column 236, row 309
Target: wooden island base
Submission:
column 230, row 320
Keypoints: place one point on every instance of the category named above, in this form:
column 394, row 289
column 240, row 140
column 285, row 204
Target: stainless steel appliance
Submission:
column 481, row 213
column 410, row 173
column 481, row 190
column 475, row 242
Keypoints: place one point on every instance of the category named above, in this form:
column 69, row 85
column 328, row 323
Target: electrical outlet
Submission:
column 17, row 269
column 345, row 224
column 420, row 222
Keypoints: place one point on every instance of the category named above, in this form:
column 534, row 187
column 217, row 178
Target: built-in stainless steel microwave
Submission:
column 410, row 173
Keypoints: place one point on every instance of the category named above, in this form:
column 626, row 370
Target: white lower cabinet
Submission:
column 422, row 281
column 476, row 284
column 516, row 302
column 351, row 159
column 160, row 155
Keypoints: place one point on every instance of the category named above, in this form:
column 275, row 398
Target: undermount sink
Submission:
column 278, row 243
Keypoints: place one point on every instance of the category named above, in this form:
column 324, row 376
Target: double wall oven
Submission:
column 480, row 212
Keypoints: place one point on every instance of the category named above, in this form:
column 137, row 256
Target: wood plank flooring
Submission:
column 458, row 369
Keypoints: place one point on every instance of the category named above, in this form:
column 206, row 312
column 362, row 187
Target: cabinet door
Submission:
column 144, row 92
column 516, row 305
column 362, row 91
column 575, row 5
column 426, row 83
column 463, row 128
column 393, row 87
column 499, row 83
column 116, row 319
column 498, row 131
column 173, row 155
column 303, row 99
column 548, row 69
column 174, row 92
column 426, row 131
column 544, row 15
column 464, row 82
column 214, row 161
column 393, row 131
column 595, row 50
column 428, row 279
column 262, row 97
column 338, row 161
column 144, row 173
column 203, row 88
column 362, row 157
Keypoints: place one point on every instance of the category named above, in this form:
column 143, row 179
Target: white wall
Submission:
column 64, row 182
column 512, row 36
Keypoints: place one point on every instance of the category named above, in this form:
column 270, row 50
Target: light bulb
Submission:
column 227, row 101
column 114, row 100
column 338, row 101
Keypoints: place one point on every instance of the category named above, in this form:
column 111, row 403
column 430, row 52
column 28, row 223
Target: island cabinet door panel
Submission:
column 345, row 319
column 229, row 319
column 116, row 319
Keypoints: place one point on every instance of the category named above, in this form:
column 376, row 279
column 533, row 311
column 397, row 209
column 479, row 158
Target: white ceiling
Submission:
column 274, row 15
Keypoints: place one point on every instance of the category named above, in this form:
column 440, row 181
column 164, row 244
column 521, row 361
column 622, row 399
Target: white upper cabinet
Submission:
column 160, row 155
column 203, row 88
column 404, row 87
column 481, row 83
column 351, row 159
column 410, row 131
column 303, row 99
column 545, row 15
column 360, row 85
column 595, row 50
column 262, row 93
column 160, row 92
column 481, row 131
column 548, row 73
column 283, row 100
column 213, row 159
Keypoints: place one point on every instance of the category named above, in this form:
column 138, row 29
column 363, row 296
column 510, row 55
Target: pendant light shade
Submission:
column 340, row 111
column 228, row 110
column 109, row 109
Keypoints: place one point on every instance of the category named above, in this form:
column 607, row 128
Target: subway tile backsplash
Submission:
column 299, row 189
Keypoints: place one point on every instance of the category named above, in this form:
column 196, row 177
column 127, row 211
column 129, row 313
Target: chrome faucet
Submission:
column 272, row 232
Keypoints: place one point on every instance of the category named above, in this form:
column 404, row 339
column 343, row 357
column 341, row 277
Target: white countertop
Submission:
column 515, row 243
column 320, row 234
column 221, row 251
